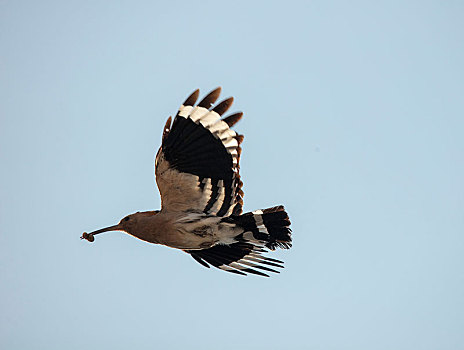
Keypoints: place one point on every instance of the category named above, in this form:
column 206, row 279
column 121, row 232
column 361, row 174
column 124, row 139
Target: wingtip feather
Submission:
column 233, row 119
column 209, row 99
column 190, row 101
column 224, row 106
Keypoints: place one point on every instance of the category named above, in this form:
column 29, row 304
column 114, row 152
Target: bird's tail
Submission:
column 267, row 228
column 270, row 227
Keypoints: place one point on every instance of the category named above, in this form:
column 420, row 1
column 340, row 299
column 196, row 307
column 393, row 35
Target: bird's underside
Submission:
column 197, row 173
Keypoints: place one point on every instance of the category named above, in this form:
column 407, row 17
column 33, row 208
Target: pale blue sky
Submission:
column 354, row 120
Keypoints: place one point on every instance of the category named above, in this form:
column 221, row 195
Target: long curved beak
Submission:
column 106, row 229
column 89, row 236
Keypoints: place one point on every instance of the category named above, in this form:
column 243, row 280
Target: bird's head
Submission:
column 127, row 224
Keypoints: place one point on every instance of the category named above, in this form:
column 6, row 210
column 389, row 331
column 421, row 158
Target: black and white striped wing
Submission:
column 240, row 258
column 197, row 165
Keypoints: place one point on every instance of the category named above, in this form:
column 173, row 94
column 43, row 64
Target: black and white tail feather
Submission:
column 201, row 152
column 261, row 229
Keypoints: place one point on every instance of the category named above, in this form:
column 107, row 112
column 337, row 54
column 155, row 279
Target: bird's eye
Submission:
column 126, row 218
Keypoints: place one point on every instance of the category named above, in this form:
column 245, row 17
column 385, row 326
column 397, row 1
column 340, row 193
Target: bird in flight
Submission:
column 197, row 173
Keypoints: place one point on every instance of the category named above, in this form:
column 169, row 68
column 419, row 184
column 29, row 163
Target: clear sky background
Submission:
column 354, row 120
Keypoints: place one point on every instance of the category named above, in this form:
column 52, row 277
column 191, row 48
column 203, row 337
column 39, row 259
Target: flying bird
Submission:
column 197, row 173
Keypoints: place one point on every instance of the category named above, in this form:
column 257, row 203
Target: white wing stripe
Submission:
column 227, row 133
column 184, row 111
column 197, row 113
column 220, row 198
column 207, row 191
column 229, row 143
column 218, row 128
column 209, row 119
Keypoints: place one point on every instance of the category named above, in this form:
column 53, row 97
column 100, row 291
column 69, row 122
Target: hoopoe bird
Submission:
column 197, row 173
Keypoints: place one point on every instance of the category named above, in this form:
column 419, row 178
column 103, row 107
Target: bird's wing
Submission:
column 197, row 165
column 239, row 258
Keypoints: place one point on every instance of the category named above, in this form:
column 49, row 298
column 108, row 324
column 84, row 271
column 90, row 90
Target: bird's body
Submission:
column 197, row 172
column 181, row 230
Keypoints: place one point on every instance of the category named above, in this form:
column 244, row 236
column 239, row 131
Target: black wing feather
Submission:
column 229, row 258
